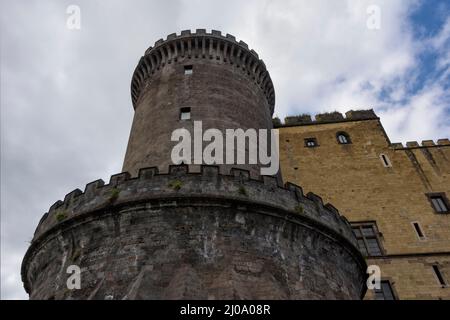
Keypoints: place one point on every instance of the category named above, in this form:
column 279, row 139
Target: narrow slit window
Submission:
column 185, row 114
column 418, row 230
column 188, row 70
column 439, row 275
column 385, row 160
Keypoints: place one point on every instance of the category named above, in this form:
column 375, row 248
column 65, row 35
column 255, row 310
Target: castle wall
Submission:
column 187, row 235
column 354, row 178
column 159, row 231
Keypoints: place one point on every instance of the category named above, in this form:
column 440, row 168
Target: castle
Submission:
column 164, row 231
column 395, row 196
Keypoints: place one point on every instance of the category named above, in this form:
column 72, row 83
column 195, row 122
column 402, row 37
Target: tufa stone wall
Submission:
column 355, row 179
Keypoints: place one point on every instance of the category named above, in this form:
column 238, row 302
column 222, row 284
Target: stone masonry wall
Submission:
column 229, row 88
column 195, row 236
column 354, row 178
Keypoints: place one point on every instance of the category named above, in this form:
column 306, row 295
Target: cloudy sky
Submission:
column 65, row 102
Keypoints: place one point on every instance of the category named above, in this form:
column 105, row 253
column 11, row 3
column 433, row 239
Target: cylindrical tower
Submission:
column 162, row 231
column 213, row 78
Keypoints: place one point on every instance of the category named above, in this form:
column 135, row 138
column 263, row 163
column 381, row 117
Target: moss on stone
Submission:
column 243, row 191
column 299, row 209
column 60, row 215
column 176, row 184
column 114, row 194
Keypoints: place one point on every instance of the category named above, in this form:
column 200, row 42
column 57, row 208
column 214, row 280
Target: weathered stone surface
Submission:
column 204, row 239
column 294, row 120
column 330, row 116
column 194, row 232
column 354, row 178
column 229, row 88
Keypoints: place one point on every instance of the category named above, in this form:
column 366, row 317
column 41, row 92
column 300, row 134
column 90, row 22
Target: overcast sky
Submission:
column 65, row 94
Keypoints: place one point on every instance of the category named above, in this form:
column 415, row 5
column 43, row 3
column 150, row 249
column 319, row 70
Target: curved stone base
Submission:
column 193, row 246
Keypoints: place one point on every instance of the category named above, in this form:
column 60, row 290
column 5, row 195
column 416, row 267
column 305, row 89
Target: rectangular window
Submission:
column 418, row 230
column 385, row 292
column 439, row 202
column 188, row 70
column 311, row 142
column 185, row 113
column 367, row 237
column 439, row 275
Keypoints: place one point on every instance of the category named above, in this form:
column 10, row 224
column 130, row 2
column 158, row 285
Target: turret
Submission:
column 192, row 77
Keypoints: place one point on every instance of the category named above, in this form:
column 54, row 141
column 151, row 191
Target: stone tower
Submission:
column 163, row 231
column 220, row 81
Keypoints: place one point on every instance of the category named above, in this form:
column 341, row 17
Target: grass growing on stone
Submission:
column 76, row 254
column 299, row 209
column 114, row 195
column 60, row 216
column 175, row 184
column 243, row 191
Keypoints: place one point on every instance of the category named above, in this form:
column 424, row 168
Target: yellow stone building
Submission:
column 395, row 196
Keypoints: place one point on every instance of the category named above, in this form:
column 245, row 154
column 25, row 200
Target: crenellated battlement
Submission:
column 328, row 117
column 202, row 45
column 424, row 144
column 353, row 115
column 223, row 233
column 182, row 186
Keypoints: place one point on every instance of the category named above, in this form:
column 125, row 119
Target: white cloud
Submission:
column 424, row 115
column 66, row 110
column 11, row 279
